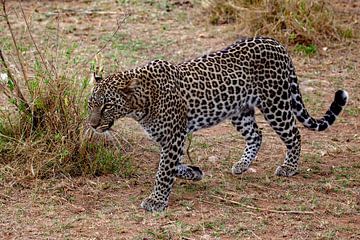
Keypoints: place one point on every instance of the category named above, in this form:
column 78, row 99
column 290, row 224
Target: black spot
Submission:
column 270, row 116
column 330, row 118
column 272, row 93
column 284, row 95
column 323, row 126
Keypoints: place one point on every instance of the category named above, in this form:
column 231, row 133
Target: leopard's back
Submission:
column 220, row 84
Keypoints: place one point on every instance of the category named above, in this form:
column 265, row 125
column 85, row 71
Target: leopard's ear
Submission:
column 96, row 75
column 96, row 78
column 130, row 86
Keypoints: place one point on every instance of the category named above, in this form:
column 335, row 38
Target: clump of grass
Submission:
column 43, row 131
column 308, row 50
column 291, row 21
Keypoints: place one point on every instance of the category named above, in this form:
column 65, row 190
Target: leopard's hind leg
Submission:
column 281, row 118
column 245, row 123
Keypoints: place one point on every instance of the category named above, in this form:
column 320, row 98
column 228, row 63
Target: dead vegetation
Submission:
column 43, row 132
column 291, row 21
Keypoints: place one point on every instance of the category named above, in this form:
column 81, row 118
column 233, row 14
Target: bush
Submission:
column 42, row 124
column 291, row 21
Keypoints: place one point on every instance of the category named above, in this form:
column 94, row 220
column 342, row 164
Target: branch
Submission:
column 119, row 24
column 262, row 209
column 57, row 47
column 14, row 42
column 3, row 87
column 81, row 12
column 5, row 91
column 33, row 41
column 18, row 92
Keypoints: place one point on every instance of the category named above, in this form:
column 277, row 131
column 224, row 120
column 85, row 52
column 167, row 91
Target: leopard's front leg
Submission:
column 171, row 154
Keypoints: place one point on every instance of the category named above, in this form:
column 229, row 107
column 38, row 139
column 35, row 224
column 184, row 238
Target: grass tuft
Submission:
column 308, row 50
column 43, row 130
column 303, row 22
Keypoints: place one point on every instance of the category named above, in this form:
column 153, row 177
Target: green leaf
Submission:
column 10, row 84
column 22, row 106
column 39, row 104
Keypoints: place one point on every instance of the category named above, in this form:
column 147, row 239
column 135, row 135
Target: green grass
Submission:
column 307, row 50
column 352, row 111
column 108, row 161
column 347, row 33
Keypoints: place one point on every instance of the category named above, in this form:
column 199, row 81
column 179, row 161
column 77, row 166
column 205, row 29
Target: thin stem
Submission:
column 119, row 24
column 33, row 41
column 19, row 94
column 14, row 42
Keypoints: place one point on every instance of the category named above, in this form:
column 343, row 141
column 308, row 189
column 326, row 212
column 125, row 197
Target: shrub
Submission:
column 291, row 21
column 42, row 124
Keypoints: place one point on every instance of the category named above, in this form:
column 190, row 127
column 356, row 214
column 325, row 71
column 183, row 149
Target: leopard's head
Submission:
column 111, row 99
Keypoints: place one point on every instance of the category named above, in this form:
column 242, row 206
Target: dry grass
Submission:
column 43, row 131
column 291, row 21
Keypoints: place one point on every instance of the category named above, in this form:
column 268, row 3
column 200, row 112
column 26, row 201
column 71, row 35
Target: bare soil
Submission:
column 321, row 202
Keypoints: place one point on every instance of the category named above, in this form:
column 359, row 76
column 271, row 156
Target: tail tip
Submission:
column 341, row 97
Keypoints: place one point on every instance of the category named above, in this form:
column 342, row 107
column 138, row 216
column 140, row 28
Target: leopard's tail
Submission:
column 340, row 100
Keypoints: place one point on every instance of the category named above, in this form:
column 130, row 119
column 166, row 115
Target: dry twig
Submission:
column 119, row 24
column 19, row 94
column 6, row 16
column 33, row 41
column 8, row 94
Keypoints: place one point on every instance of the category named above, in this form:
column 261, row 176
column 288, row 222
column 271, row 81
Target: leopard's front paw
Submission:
column 286, row 171
column 239, row 167
column 152, row 205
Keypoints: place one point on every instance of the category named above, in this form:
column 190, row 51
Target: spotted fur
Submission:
column 171, row 101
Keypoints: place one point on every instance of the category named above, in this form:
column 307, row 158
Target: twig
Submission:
column 262, row 209
column 116, row 134
column 33, row 41
column 14, row 42
column 11, row 138
column 54, row 66
column 81, row 12
column 5, row 90
column 119, row 23
column 19, row 94
column 257, row 237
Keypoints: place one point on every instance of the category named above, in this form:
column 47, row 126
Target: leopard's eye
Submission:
column 107, row 106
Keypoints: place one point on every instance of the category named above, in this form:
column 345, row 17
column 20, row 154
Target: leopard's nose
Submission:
column 94, row 119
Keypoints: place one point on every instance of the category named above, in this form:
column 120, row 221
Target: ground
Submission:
column 321, row 202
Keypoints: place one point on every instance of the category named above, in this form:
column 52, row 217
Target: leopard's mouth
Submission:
column 103, row 128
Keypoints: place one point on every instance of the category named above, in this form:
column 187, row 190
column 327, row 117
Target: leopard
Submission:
column 171, row 101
